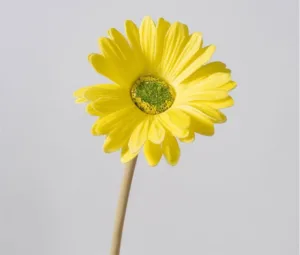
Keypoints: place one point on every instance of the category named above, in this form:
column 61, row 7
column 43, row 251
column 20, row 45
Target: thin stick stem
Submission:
column 122, row 205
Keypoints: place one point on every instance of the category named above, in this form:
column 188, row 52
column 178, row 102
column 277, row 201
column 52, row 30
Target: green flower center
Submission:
column 152, row 95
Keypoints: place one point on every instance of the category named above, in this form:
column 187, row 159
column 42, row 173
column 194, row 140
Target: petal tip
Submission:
column 212, row 47
column 173, row 162
column 90, row 57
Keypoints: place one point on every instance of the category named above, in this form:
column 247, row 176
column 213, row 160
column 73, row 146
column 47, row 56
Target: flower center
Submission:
column 152, row 95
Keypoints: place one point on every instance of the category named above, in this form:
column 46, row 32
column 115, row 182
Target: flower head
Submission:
column 163, row 90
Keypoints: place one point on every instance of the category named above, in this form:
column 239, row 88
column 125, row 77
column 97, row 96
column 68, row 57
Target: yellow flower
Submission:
column 162, row 90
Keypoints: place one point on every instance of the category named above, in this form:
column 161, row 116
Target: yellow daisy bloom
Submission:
column 163, row 90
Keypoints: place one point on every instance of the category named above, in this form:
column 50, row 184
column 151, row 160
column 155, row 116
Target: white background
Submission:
column 231, row 194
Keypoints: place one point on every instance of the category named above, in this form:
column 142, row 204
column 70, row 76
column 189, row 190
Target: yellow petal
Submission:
column 133, row 35
column 156, row 132
column 118, row 61
column 176, row 121
column 203, row 126
column 79, row 94
column 109, row 122
column 161, row 30
column 117, row 138
column 219, row 104
column 132, row 63
column 95, row 92
column 108, row 98
column 190, row 138
column 106, row 68
column 203, row 56
column 126, row 155
column 112, row 144
column 110, row 50
column 175, row 41
column 191, row 48
column 207, row 70
column 121, row 43
column 109, row 105
column 213, row 81
column 200, row 123
column 139, row 136
column 103, row 91
column 171, row 149
column 92, row 111
column 95, row 126
column 152, row 152
column 215, row 115
column 228, row 86
column 147, row 39
column 206, row 95
column 80, row 100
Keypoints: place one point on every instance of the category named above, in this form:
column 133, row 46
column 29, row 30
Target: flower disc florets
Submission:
column 152, row 95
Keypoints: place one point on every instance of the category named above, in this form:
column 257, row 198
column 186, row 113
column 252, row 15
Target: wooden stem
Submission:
column 122, row 205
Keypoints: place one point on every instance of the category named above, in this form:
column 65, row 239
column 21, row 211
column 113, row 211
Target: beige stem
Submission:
column 121, row 208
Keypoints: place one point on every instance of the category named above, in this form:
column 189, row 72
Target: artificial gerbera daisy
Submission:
column 162, row 90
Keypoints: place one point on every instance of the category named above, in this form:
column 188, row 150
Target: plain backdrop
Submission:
column 231, row 194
